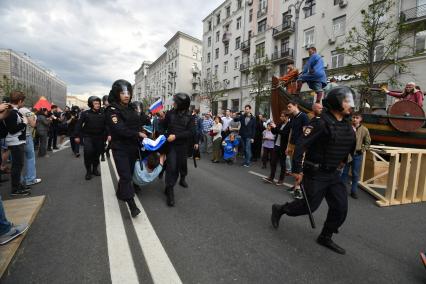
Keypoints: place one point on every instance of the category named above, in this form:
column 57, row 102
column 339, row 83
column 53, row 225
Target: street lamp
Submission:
column 296, row 7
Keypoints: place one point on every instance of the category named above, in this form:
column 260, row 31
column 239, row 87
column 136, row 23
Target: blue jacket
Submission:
column 228, row 148
column 249, row 130
column 314, row 70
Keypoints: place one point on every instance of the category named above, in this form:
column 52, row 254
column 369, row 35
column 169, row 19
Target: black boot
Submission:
column 95, row 171
column 170, row 196
column 277, row 212
column 325, row 240
column 134, row 210
column 88, row 175
column 183, row 183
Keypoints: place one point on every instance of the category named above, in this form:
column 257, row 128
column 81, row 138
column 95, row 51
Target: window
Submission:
column 216, row 54
column 208, row 57
column 379, row 52
column 218, row 19
column 238, row 23
column 226, row 48
column 336, row 2
column 420, row 41
column 339, row 26
column 236, row 82
column 283, row 69
column 217, row 36
column 209, row 41
column 285, row 44
column 237, row 42
column 215, row 107
column 260, row 50
column 337, row 59
column 225, row 67
column 237, row 62
column 261, row 26
column 235, row 105
column 249, row 34
column 210, row 25
column 309, row 37
column 239, row 4
column 309, row 8
column 250, row 15
column 209, row 72
column 228, row 11
column 263, row 4
column 224, row 105
column 216, row 68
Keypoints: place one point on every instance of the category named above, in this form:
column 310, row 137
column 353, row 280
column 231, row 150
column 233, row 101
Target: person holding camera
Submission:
column 43, row 124
column 72, row 118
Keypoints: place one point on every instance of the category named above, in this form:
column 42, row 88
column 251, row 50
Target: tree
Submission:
column 374, row 44
column 147, row 101
column 261, row 83
column 211, row 90
column 7, row 86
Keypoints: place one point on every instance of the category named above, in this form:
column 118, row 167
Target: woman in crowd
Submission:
column 42, row 131
column 125, row 127
column 217, row 139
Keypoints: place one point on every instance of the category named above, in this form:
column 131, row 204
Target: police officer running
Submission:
column 179, row 126
column 91, row 127
column 326, row 144
column 125, row 127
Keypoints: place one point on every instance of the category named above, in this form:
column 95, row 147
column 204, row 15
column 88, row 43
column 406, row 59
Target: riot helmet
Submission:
column 182, row 101
column 105, row 99
column 93, row 99
column 120, row 86
column 137, row 106
column 337, row 96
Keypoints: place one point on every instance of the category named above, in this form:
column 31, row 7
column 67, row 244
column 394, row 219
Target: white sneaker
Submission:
column 13, row 233
column 35, row 181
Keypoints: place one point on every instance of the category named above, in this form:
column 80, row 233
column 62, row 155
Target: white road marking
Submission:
column 60, row 149
column 159, row 264
column 121, row 264
column 263, row 176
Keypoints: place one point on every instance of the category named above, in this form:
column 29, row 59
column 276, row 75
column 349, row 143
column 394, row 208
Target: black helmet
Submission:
column 104, row 99
column 137, row 106
column 182, row 101
column 336, row 96
column 92, row 99
column 75, row 108
column 118, row 87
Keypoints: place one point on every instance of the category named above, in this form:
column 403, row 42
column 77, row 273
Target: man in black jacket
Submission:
column 91, row 126
column 281, row 131
column 247, row 132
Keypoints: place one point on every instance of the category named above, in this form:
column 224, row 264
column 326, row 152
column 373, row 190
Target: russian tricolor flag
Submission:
column 157, row 106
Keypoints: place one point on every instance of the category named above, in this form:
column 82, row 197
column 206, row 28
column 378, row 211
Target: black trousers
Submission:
column 18, row 155
column 267, row 155
column 125, row 157
column 42, row 147
column 75, row 148
column 93, row 148
column 53, row 137
column 319, row 185
column 176, row 163
column 278, row 156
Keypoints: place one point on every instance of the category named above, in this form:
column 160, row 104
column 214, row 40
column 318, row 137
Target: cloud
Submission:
column 91, row 43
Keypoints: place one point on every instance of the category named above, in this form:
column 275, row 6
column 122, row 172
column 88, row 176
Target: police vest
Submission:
column 94, row 123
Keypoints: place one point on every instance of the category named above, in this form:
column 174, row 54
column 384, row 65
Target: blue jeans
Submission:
column 4, row 224
column 356, row 166
column 30, row 167
column 246, row 144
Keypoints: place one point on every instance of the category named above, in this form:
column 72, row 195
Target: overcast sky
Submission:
column 91, row 43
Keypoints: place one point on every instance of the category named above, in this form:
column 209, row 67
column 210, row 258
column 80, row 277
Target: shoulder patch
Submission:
column 114, row 118
column 308, row 129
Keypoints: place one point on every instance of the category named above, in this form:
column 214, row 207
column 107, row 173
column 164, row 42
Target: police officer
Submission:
column 138, row 107
column 91, row 127
column 107, row 142
column 125, row 129
column 326, row 143
column 178, row 124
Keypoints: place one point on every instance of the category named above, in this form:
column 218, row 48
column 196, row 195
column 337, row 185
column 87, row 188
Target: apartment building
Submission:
column 176, row 70
column 249, row 33
column 39, row 81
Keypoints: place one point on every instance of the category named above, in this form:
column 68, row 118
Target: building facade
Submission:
column 176, row 70
column 242, row 34
column 37, row 80
column 141, row 80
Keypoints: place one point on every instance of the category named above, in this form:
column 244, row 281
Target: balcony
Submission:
column 245, row 45
column 195, row 81
column 195, row 70
column 285, row 56
column 226, row 37
column 286, row 29
column 262, row 12
column 244, row 67
column 259, row 61
column 414, row 15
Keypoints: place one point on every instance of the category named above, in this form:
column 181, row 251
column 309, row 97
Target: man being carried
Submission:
column 149, row 169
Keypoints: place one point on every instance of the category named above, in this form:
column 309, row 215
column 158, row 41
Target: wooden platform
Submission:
column 18, row 211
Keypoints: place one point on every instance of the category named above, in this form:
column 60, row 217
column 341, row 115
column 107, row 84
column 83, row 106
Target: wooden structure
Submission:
column 18, row 211
column 401, row 181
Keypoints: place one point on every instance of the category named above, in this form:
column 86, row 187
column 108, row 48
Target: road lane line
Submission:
column 159, row 264
column 122, row 268
column 60, row 149
column 263, row 176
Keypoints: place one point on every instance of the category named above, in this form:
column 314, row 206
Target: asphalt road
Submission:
column 219, row 232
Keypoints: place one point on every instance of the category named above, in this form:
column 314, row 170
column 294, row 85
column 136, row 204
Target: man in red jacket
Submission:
column 410, row 94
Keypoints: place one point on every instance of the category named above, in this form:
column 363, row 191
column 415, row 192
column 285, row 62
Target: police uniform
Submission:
column 325, row 144
column 91, row 127
column 178, row 122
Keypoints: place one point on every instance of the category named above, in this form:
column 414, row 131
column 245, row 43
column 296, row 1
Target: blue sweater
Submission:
column 314, row 70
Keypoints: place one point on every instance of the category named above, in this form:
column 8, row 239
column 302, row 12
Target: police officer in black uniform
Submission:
column 91, row 127
column 179, row 126
column 326, row 143
column 125, row 128
column 107, row 143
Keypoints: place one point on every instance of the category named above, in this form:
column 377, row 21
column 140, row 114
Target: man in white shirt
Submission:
column 225, row 123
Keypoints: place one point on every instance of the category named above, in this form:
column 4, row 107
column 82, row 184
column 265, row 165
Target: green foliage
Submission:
column 260, row 79
column 7, row 86
column 211, row 90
